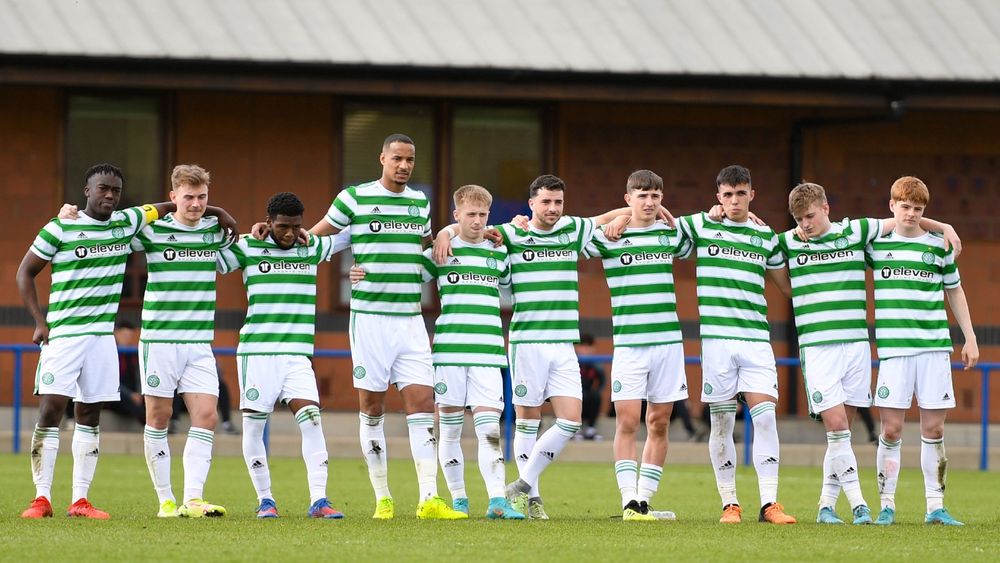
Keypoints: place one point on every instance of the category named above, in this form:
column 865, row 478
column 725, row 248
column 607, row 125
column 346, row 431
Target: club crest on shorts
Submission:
column 616, row 386
column 153, row 381
column 521, row 390
column 48, row 378
column 359, row 372
column 817, row 397
column 440, row 388
column 708, row 388
column 883, row 392
column 252, row 394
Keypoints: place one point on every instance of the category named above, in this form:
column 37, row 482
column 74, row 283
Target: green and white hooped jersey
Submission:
column 469, row 331
column 387, row 231
column 88, row 268
column 732, row 258
column 911, row 275
column 179, row 305
column 828, row 282
column 544, row 279
column 281, row 292
column 639, row 268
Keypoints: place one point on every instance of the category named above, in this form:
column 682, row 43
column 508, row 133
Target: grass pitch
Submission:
column 581, row 499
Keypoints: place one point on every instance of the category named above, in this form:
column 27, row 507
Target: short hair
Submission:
column 285, row 203
column 804, row 195
column 546, row 182
column 912, row 189
column 644, row 180
column 396, row 138
column 472, row 193
column 733, row 175
column 190, row 174
column 103, row 168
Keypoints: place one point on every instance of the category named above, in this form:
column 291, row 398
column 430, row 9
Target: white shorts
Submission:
column 539, row 370
column 729, row 367
column 837, row 374
column 166, row 367
column 653, row 373
column 265, row 380
column 468, row 386
column 927, row 375
column 390, row 349
column 82, row 367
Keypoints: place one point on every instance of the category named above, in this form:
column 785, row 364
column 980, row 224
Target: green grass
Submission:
column 580, row 498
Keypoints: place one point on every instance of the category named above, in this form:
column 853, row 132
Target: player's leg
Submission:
column 199, row 386
column 484, row 394
column 159, row 375
column 894, row 388
column 627, row 413
column 260, row 383
column 935, row 395
column 526, row 383
column 98, row 383
column 450, row 395
column 667, row 388
column 373, row 350
column 719, row 379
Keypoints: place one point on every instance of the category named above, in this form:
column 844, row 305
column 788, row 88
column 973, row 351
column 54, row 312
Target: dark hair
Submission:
column 546, row 182
column 587, row 339
column 733, row 175
column 103, row 168
column 644, row 180
column 285, row 203
column 396, row 138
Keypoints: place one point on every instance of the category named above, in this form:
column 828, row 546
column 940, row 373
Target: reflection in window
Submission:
column 499, row 149
column 365, row 127
column 128, row 133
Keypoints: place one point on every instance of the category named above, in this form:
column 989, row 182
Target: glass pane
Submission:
column 365, row 127
column 126, row 132
column 499, row 149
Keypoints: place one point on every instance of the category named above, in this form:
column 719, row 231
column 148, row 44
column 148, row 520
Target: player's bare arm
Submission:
column 780, row 278
column 29, row 269
column 960, row 308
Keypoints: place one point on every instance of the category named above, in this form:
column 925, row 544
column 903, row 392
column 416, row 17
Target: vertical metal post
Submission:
column 508, row 416
column 984, row 444
column 747, row 430
column 16, row 400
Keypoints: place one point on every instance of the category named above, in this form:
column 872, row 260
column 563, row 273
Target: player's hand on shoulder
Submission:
column 442, row 246
column 493, row 235
column 951, row 240
column 521, row 222
column 613, row 230
column 664, row 215
column 716, row 213
column 800, row 234
column 303, row 237
column 69, row 211
column 259, row 230
column 756, row 220
column 229, row 226
column 357, row 274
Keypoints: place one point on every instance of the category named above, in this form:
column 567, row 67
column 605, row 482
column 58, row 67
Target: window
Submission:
column 365, row 127
column 499, row 149
column 126, row 132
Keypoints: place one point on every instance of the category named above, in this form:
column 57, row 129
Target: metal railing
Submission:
column 985, row 369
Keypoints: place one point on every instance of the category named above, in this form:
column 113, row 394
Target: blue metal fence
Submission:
column 985, row 369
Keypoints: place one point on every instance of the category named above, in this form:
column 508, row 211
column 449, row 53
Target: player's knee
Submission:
column 50, row 413
column 88, row 414
column 626, row 423
column 892, row 431
column 206, row 419
column 657, row 424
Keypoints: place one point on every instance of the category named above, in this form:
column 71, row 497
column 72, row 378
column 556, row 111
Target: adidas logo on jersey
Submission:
column 719, row 235
column 81, row 235
column 529, row 240
column 769, row 461
column 627, row 243
column 453, row 463
column 266, row 252
column 376, row 209
column 888, row 256
column 727, row 465
column 455, row 261
column 171, row 238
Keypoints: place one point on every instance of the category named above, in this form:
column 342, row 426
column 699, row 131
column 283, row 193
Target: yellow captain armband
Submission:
column 150, row 212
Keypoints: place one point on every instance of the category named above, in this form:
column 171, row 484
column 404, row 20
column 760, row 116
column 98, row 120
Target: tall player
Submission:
column 649, row 355
column 389, row 223
column 276, row 345
column 178, row 325
column 914, row 272
column 79, row 357
column 732, row 258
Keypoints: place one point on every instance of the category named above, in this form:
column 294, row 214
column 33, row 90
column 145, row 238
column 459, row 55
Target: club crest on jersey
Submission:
column 208, row 237
column 756, row 241
column 491, row 263
column 927, row 257
column 664, row 240
column 118, row 232
column 563, row 238
column 840, row 243
column 301, row 251
column 413, row 211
